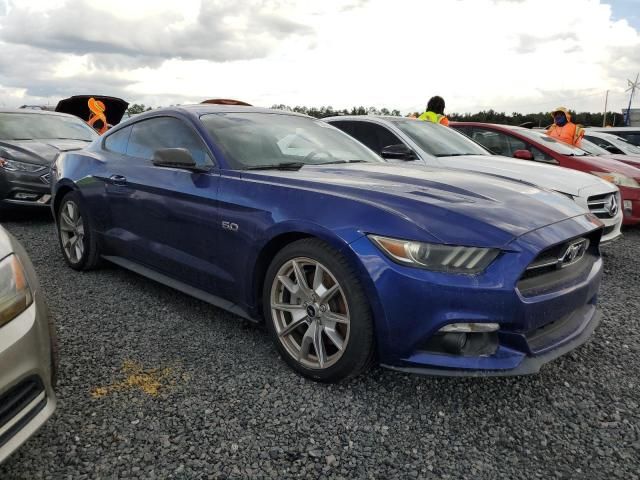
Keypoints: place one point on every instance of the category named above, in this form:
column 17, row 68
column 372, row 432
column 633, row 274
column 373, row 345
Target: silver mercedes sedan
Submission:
column 28, row 349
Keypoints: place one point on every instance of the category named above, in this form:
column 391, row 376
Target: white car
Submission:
column 612, row 143
column 400, row 139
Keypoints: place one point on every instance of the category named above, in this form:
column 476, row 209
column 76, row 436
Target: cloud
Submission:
column 509, row 55
column 527, row 43
column 222, row 31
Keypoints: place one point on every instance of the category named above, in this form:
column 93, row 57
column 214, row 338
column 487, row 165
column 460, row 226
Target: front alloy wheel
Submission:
column 317, row 312
column 310, row 313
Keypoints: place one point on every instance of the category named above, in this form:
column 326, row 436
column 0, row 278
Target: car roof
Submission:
column 614, row 129
column 486, row 124
column 600, row 133
column 366, row 117
column 204, row 108
column 32, row 111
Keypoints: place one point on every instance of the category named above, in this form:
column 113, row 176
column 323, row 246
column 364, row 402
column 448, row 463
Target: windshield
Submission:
column 559, row 147
column 29, row 126
column 437, row 140
column 623, row 144
column 252, row 140
column 593, row 149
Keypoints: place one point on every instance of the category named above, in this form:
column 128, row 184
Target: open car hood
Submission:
column 78, row 105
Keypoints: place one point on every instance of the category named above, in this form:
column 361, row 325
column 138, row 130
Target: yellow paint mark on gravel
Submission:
column 150, row 381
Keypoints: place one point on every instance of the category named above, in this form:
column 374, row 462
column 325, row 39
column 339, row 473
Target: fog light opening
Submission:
column 26, row 196
column 627, row 207
column 454, row 342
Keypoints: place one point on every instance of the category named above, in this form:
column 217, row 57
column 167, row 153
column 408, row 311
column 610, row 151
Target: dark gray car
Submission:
column 29, row 142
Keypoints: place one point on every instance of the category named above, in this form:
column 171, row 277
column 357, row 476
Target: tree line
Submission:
column 540, row 119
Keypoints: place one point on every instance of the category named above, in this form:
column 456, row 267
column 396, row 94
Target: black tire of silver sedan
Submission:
column 317, row 313
column 77, row 241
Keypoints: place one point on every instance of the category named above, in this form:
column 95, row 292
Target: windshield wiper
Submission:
column 455, row 154
column 71, row 138
column 278, row 166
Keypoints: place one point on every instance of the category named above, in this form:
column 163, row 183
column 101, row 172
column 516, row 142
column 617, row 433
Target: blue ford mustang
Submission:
column 348, row 260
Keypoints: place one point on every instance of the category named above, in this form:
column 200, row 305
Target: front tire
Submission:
column 77, row 241
column 317, row 313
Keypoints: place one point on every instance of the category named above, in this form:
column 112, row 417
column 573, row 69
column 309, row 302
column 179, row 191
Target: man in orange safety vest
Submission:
column 564, row 129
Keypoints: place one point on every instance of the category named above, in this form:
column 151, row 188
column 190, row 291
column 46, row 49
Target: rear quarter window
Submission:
column 117, row 141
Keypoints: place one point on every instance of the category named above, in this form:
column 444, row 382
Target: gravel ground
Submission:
column 228, row 407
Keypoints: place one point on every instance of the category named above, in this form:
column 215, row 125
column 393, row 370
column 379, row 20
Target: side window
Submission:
column 631, row 137
column 150, row 135
column 345, row 126
column 516, row 144
column 539, row 155
column 497, row 142
column 117, row 141
column 375, row 136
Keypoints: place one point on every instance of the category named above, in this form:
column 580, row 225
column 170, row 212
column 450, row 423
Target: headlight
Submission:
column 14, row 166
column 15, row 294
column 437, row 257
column 618, row 179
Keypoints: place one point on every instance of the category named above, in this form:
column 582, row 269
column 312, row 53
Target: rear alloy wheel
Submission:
column 76, row 239
column 317, row 312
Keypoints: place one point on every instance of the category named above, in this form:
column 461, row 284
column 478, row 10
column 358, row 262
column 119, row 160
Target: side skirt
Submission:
column 180, row 286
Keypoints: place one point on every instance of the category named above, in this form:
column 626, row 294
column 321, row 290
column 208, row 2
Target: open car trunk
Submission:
column 78, row 105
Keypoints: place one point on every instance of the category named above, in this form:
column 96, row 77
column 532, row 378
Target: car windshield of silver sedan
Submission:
column 439, row 141
column 254, row 140
column 559, row 147
column 29, row 126
column 623, row 144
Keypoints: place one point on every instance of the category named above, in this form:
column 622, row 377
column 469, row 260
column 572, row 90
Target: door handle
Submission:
column 118, row 179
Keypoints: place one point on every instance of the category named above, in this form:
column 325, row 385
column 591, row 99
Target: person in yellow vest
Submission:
column 435, row 112
column 564, row 129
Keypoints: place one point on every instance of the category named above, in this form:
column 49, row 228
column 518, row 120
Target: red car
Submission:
column 536, row 145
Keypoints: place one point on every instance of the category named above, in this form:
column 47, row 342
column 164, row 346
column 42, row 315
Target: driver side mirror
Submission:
column 175, row 158
column 398, row 152
column 523, row 154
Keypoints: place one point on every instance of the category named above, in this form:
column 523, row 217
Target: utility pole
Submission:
column 632, row 88
column 604, row 117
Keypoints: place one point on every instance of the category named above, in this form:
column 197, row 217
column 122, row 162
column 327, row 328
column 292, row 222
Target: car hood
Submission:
column 633, row 160
column 553, row 177
column 453, row 206
column 609, row 165
column 42, row 152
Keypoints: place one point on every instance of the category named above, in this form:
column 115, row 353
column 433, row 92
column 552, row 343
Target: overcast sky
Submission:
column 509, row 55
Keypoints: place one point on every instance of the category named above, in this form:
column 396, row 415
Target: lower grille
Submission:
column 608, row 230
column 14, row 401
column 605, row 205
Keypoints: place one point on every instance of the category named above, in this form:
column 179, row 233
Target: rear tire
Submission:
column 78, row 242
column 317, row 313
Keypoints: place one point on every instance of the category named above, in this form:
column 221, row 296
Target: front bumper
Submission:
column 26, row 370
column 411, row 305
column 630, row 205
column 588, row 199
column 34, row 187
